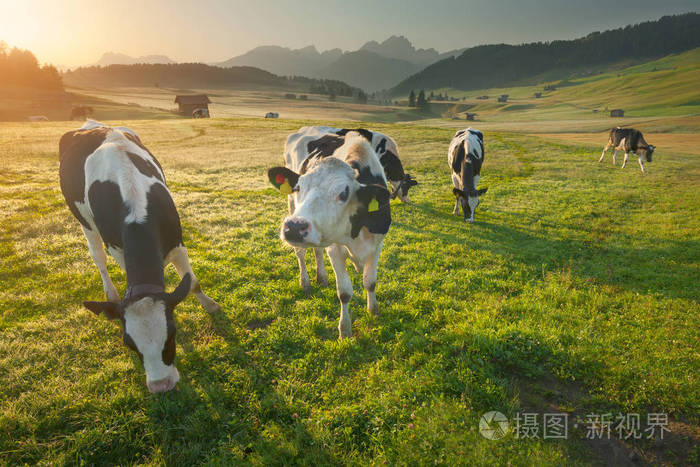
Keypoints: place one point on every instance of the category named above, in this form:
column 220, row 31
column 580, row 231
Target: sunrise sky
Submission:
column 77, row 32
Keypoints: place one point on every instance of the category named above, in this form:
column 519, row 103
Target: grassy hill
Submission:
column 668, row 87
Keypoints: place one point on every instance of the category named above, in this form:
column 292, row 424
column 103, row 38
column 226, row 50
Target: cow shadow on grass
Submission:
column 227, row 408
column 635, row 269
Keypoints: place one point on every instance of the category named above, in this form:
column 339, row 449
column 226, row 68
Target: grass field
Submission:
column 575, row 291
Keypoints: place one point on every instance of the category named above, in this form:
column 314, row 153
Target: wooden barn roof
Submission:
column 192, row 99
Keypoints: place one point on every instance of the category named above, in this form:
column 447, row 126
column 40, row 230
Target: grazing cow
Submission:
column 312, row 142
column 340, row 202
column 465, row 156
column 116, row 189
column 272, row 115
column 80, row 112
column 629, row 140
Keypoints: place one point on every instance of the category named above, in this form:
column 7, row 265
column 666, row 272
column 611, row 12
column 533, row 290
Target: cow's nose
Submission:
column 162, row 385
column 295, row 230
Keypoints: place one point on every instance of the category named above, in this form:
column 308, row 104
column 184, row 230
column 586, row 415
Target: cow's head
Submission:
column 469, row 201
column 401, row 187
column 149, row 329
column 649, row 152
column 331, row 206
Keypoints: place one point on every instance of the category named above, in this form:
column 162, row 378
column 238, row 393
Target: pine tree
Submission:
column 412, row 99
column 421, row 103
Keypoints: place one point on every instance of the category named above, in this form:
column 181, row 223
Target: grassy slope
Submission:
column 668, row 87
column 577, row 276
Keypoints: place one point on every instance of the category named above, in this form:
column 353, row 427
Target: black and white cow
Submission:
column 322, row 141
column 628, row 140
column 465, row 156
column 116, row 189
column 340, row 202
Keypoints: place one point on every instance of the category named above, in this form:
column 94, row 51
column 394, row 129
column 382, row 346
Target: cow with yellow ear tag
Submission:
column 339, row 202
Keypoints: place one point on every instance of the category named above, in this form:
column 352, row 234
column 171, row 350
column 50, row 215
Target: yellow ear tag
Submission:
column 373, row 205
column 285, row 188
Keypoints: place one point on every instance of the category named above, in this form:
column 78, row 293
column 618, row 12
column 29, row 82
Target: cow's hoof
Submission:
column 373, row 308
column 307, row 290
column 322, row 281
column 345, row 332
column 212, row 307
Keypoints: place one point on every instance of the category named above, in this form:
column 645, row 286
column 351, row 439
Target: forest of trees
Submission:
column 502, row 65
column 198, row 75
column 329, row 87
column 20, row 67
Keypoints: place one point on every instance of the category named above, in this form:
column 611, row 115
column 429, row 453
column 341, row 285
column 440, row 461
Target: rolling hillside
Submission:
column 661, row 88
column 508, row 65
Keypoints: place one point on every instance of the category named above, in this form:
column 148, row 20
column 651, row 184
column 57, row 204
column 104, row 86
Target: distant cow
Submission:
column 80, row 112
column 340, row 202
column 465, row 156
column 37, row 118
column 200, row 113
column 116, row 189
column 272, row 115
column 312, row 142
column 629, row 140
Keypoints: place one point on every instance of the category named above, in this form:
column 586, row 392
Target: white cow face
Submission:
column 468, row 201
column 331, row 206
column 649, row 152
column 149, row 329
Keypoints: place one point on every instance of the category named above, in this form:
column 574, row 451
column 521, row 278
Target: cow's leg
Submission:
column 641, row 163
column 321, row 276
column 369, row 280
column 457, row 183
column 304, row 281
column 97, row 252
column 624, row 161
column 337, row 255
column 178, row 256
column 615, row 156
column 605, row 149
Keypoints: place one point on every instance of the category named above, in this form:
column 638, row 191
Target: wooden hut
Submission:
column 471, row 116
column 617, row 113
column 538, row 95
column 503, row 98
column 189, row 103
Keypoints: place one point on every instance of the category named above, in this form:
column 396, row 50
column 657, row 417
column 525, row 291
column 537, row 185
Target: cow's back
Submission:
column 473, row 153
column 109, row 180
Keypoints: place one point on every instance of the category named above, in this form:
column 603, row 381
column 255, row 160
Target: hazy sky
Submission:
column 76, row 32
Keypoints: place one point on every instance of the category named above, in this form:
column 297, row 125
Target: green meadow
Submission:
column 575, row 291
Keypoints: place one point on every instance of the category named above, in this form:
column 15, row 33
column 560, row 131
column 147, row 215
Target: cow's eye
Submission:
column 344, row 195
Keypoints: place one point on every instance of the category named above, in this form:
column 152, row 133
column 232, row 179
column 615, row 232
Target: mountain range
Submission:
column 373, row 67
column 115, row 58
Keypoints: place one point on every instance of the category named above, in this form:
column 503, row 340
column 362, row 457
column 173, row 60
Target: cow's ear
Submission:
column 481, row 191
column 109, row 309
column 458, row 193
column 181, row 291
column 283, row 179
column 374, row 211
